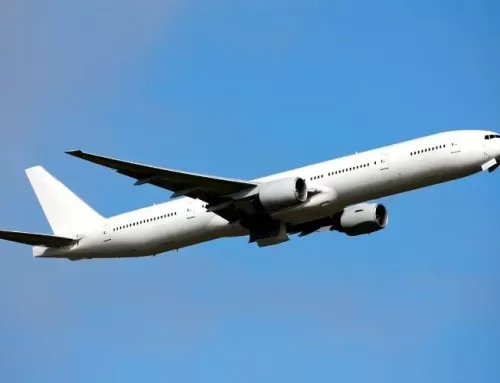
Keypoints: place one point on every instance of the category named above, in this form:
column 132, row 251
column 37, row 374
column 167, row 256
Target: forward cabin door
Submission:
column 106, row 234
column 455, row 148
column 384, row 161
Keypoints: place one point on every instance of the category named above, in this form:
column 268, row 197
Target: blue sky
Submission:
column 245, row 89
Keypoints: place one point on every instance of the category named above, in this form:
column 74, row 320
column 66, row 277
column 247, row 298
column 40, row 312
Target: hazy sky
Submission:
column 244, row 89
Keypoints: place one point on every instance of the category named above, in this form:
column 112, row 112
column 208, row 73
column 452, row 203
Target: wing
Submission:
column 207, row 188
column 181, row 183
column 36, row 239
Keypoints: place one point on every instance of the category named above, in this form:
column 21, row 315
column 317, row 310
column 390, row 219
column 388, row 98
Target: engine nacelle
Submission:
column 361, row 219
column 282, row 194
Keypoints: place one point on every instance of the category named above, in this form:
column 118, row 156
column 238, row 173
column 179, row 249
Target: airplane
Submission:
column 335, row 195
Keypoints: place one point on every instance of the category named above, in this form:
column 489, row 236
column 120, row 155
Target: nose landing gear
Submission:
column 491, row 165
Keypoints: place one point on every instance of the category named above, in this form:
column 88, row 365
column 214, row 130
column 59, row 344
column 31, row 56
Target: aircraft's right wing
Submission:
column 36, row 239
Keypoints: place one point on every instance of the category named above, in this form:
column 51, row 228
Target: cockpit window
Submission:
column 491, row 136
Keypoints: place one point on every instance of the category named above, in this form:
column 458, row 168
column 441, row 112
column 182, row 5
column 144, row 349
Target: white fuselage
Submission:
column 347, row 180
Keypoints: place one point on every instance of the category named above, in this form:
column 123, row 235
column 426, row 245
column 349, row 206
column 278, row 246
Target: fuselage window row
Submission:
column 427, row 150
column 341, row 171
column 144, row 221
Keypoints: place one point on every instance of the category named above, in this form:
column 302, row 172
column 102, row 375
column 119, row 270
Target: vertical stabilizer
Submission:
column 67, row 214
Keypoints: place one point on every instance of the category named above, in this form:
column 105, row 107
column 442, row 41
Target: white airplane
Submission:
column 330, row 195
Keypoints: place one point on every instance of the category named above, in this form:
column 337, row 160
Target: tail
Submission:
column 67, row 214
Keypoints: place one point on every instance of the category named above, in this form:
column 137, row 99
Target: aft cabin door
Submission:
column 106, row 235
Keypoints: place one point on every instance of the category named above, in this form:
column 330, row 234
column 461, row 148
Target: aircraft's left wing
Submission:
column 206, row 188
column 36, row 239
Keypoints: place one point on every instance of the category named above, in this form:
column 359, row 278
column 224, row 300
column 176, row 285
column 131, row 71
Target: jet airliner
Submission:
column 337, row 195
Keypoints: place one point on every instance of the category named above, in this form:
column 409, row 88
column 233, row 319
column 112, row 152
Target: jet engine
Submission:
column 361, row 219
column 282, row 194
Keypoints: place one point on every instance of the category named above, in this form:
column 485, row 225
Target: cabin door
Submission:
column 384, row 161
column 455, row 148
column 106, row 235
column 191, row 210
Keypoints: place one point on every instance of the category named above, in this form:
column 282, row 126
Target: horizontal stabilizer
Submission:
column 36, row 239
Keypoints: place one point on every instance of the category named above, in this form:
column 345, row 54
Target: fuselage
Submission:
column 347, row 180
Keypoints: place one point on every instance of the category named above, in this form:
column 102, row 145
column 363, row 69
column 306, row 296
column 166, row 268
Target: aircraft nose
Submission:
column 492, row 145
column 494, row 149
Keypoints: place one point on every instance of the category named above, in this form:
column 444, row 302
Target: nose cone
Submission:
column 492, row 145
column 495, row 152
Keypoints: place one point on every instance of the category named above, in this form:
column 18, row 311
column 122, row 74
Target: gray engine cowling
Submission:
column 361, row 219
column 282, row 194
